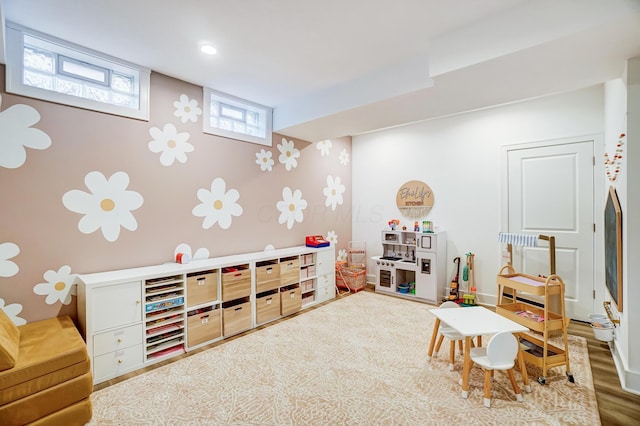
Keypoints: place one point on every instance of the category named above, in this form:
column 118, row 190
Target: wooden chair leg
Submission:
column 516, row 389
column 440, row 339
column 460, row 347
column 487, row 387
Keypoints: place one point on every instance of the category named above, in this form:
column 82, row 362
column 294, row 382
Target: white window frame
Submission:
column 15, row 36
column 241, row 105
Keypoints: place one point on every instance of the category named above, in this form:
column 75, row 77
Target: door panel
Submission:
column 550, row 192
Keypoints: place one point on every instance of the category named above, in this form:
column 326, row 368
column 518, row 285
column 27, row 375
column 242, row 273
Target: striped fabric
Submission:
column 518, row 239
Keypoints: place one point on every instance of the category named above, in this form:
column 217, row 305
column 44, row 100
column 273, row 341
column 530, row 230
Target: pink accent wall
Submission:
column 33, row 216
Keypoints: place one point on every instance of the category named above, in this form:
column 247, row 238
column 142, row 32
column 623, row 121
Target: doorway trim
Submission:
column 599, row 197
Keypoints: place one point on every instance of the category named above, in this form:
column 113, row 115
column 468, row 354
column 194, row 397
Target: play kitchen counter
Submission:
column 412, row 265
column 136, row 317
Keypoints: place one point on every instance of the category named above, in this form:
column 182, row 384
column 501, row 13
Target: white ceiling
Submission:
column 333, row 68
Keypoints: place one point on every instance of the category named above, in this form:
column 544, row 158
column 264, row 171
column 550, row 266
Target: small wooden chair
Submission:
column 499, row 354
column 445, row 331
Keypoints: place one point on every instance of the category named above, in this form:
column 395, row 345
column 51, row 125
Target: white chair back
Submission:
column 502, row 349
column 449, row 304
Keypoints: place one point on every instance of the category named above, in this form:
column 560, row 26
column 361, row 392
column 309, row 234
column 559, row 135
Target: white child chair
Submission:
column 499, row 354
column 445, row 331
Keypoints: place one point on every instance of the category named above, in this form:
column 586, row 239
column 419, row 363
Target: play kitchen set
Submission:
column 413, row 263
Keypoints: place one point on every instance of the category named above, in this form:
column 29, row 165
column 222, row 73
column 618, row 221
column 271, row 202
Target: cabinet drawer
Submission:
column 236, row 318
column 289, row 271
column 236, row 283
column 326, row 293
column 117, row 339
column 203, row 327
column 267, row 307
column 116, row 305
column 290, row 301
column 202, row 288
column 116, row 363
column 326, row 280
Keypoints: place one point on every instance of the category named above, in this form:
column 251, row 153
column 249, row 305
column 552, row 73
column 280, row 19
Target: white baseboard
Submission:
column 629, row 380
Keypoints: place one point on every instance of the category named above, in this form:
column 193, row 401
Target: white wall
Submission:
column 622, row 109
column 459, row 157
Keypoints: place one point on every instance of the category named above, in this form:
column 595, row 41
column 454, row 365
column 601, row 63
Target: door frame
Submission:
column 599, row 198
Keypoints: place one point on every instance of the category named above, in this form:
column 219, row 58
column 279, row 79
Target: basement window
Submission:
column 236, row 118
column 44, row 67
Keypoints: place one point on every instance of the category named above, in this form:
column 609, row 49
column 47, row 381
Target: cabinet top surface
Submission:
column 169, row 268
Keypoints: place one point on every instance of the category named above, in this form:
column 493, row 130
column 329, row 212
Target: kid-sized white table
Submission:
column 477, row 321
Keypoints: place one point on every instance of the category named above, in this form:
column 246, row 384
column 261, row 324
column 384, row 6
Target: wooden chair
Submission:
column 499, row 354
column 445, row 331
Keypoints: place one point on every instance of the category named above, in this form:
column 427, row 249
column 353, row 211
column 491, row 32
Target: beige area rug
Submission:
column 360, row 360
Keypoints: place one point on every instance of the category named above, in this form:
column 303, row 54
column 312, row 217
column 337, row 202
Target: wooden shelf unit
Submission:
column 537, row 351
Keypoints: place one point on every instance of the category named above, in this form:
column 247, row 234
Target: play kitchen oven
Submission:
column 412, row 265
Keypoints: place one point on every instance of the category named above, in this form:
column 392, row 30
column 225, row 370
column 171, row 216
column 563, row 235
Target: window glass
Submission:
column 236, row 118
column 44, row 67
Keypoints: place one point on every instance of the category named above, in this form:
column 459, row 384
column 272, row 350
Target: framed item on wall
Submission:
column 613, row 247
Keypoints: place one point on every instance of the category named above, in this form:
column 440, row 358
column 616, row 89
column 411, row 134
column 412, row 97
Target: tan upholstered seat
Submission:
column 46, row 376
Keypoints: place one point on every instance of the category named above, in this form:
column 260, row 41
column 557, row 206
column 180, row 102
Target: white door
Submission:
column 551, row 192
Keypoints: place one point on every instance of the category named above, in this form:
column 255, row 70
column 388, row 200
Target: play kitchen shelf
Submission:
column 537, row 351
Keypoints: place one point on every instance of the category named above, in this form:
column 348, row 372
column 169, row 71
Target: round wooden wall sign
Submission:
column 414, row 199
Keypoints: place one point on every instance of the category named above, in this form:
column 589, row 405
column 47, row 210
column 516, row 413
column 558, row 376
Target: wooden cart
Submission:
column 538, row 352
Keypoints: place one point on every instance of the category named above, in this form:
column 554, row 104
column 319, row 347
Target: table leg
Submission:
column 467, row 366
column 436, row 326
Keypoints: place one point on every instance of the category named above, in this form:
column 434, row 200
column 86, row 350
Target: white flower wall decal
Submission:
column 291, row 207
column 200, row 254
column 107, row 205
column 187, row 109
column 324, row 147
column 333, row 192
column 12, row 312
column 8, row 251
column 342, row 255
column 332, row 237
column 264, row 160
column 217, row 205
column 288, row 154
column 344, row 157
column 16, row 133
column 59, row 286
column 173, row 145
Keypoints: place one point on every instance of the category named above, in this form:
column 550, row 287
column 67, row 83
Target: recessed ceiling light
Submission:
column 208, row 49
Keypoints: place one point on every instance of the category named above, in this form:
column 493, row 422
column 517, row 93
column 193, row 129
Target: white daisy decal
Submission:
column 342, row 255
column 333, row 192
column 187, row 109
column 344, row 157
column 107, row 205
column 291, row 207
column 288, row 154
column 173, row 145
column 324, row 147
column 217, row 205
column 59, row 286
column 200, row 254
column 264, row 160
column 8, row 268
column 16, row 134
column 12, row 312
column 332, row 237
